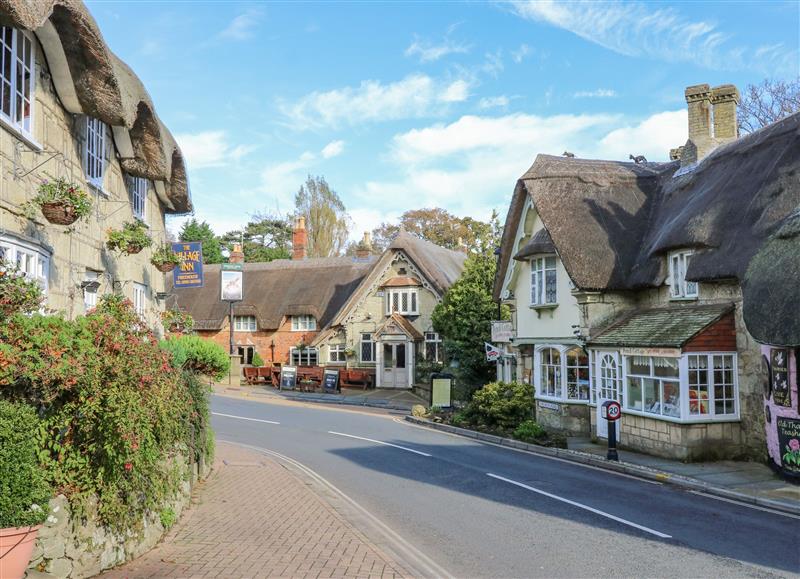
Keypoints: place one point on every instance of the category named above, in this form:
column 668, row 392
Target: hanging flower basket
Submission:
column 177, row 321
column 61, row 202
column 131, row 239
column 164, row 259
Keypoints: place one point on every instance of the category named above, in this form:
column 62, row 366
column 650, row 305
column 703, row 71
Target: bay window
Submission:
column 336, row 353
column 367, row 348
column 304, row 323
column 562, row 372
column 17, row 79
column 402, row 301
column 654, row 385
column 30, row 260
column 577, row 374
column 711, row 385
column 543, row 281
column 304, row 356
column 550, row 373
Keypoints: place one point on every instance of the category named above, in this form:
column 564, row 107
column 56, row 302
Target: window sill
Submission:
column 21, row 135
column 680, row 420
column 543, row 308
column 562, row 400
column 683, row 299
column 98, row 189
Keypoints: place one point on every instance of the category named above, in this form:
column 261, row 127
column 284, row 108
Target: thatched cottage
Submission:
column 625, row 280
column 69, row 108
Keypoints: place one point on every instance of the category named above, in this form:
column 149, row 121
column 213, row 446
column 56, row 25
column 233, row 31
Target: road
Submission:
column 479, row 510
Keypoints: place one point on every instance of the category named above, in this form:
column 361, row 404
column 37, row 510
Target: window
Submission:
column 304, row 356
column 303, row 323
column 711, row 385
column 543, row 281
column 679, row 287
column 654, row 385
column 609, row 378
column 577, row 374
column 367, row 348
column 336, row 353
column 244, row 323
column 30, row 260
column 17, row 79
column 90, row 289
column 95, row 151
column 550, row 373
column 137, row 188
column 139, row 299
column 433, row 347
column 403, row 301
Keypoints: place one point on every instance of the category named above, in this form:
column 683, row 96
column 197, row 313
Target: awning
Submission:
column 668, row 327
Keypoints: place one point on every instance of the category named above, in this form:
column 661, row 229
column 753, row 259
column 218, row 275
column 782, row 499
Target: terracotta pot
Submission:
column 59, row 213
column 16, row 546
column 164, row 267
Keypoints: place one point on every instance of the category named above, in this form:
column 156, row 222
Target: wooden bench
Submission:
column 355, row 378
column 251, row 375
column 312, row 373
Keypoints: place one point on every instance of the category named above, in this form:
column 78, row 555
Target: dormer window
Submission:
column 680, row 288
column 304, row 323
column 402, row 301
column 543, row 281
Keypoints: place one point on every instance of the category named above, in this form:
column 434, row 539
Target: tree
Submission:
column 264, row 238
column 464, row 318
column 438, row 226
column 201, row 231
column 768, row 102
column 327, row 222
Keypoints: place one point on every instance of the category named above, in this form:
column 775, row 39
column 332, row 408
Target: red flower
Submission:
column 128, row 466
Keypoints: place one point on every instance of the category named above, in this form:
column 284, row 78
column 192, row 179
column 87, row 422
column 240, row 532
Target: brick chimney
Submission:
column 237, row 255
column 364, row 247
column 299, row 238
column 712, row 120
column 724, row 99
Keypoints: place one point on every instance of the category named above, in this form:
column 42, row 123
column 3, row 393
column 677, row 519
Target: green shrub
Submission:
column 168, row 517
column 197, row 355
column 530, row 431
column 500, row 406
column 24, row 492
column 257, row 361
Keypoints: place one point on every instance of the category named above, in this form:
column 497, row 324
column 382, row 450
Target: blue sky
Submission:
column 404, row 105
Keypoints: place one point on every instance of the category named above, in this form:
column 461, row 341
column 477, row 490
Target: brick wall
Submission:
column 283, row 338
column 718, row 337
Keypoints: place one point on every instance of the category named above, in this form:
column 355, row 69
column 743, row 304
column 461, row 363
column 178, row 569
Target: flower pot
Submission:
column 59, row 213
column 164, row 267
column 16, row 546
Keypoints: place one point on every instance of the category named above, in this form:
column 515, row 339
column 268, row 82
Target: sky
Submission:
column 404, row 105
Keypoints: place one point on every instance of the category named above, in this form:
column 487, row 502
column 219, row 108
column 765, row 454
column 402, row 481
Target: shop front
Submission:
column 561, row 380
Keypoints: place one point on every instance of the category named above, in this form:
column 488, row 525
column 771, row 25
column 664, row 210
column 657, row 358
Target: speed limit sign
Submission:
column 611, row 410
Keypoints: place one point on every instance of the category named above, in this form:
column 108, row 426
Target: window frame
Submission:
column 412, row 301
column 336, row 353
column 299, row 321
column 658, row 380
column 541, row 270
column 140, row 298
column 11, row 249
column 435, row 339
column 680, row 288
column 561, row 369
column 10, row 118
column 373, row 349
column 90, row 302
column 137, row 192
column 245, row 323
column 304, row 353
column 95, row 138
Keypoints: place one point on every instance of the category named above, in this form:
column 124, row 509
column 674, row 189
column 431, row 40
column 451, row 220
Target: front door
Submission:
column 395, row 371
column 609, row 378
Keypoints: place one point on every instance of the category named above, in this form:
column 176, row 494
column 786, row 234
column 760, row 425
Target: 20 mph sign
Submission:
column 611, row 410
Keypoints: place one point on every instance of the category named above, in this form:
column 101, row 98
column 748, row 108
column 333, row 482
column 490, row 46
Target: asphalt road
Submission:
column 479, row 510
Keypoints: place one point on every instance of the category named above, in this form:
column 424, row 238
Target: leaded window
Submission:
column 543, row 281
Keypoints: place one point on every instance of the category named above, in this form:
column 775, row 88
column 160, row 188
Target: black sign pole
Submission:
column 612, row 441
column 230, row 323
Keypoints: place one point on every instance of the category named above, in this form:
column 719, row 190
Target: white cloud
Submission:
column 243, row 26
column 333, row 149
column 210, row 149
column 600, row 93
column 494, row 102
column 429, row 52
column 519, row 54
column 653, row 137
column 636, row 29
column 417, row 95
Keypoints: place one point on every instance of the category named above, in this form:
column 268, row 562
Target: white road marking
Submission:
column 748, row 505
column 582, row 506
column 380, row 442
column 244, row 418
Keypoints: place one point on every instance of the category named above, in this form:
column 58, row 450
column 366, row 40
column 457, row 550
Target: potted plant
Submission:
column 132, row 238
column 25, row 492
column 177, row 322
column 164, row 259
column 62, row 202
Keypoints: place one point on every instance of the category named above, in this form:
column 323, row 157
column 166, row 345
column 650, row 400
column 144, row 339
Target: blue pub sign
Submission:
column 190, row 271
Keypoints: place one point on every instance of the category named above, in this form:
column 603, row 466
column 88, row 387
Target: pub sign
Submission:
column 190, row 271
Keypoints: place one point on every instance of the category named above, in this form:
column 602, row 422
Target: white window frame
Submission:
column 680, row 289
column 137, row 190
column 304, row 323
column 90, row 295
column 139, row 298
column 436, row 340
column 31, row 260
column 560, row 391
column 94, row 156
column 245, row 324
column 303, row 356
column 18, row 99
column 373, row 348
column 336, row 353
column 660, row 383
column 543, row 268
column 395, row 305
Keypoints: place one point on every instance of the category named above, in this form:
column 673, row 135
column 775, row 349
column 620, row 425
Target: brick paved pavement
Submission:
column 254, row 518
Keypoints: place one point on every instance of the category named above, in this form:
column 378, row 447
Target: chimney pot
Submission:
column 364, row 247
column 237, row 255
column 299, row 238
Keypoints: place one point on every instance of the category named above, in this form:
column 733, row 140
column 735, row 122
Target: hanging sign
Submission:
column 492, row 353
column 288, row 378
column 502, row 332
column 779, row 365
column 232, row 283
column 330, row 380
column 189, row 273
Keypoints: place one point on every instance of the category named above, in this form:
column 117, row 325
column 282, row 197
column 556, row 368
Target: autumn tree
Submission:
column 264, row 238
column 436, row 225
column 768, row 102
column 194, row 230
column 327, row 222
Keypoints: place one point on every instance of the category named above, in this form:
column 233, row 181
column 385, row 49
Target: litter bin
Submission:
column 441, row 390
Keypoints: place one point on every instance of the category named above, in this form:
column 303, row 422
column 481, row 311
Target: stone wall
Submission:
column 570, row 419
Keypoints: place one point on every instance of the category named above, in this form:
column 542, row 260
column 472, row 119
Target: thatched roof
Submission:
column 91, row 80
column 612, row 223
column 283, row 287
column 440, row 265
column 540, row 242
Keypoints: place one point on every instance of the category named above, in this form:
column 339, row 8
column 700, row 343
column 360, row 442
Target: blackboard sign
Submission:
column 789, row 444
column 779, row 363
column 330, row 380
column 288, row 378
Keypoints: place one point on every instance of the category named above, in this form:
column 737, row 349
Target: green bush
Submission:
column 530, row 431
column 197, row 355
column 500, row 406
column 257, row 361
column 168, row 517
column 24, row 492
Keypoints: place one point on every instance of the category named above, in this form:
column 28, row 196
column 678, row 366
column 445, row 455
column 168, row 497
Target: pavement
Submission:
column 255, row 518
